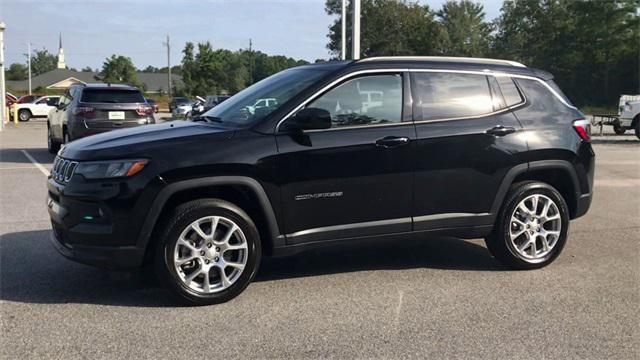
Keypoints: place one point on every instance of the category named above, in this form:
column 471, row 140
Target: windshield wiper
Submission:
column 207, row 118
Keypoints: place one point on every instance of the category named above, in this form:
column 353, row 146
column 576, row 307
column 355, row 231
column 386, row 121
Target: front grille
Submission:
column 63, row 169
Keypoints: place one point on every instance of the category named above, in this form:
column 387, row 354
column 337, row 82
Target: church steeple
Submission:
column 61, row 64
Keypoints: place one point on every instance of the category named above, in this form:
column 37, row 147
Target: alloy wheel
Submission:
column 535, row 227
column 210, row 254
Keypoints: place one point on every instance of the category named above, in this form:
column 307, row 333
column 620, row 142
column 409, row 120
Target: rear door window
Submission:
column 114, row 96
column 450, row 95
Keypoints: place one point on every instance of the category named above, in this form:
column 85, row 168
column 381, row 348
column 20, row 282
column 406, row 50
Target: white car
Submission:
column 629, row 117
column 38, row 108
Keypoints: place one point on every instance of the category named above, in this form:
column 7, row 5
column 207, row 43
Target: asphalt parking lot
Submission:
column 430, row 298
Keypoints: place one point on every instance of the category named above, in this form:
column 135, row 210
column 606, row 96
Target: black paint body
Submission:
column 325, row 186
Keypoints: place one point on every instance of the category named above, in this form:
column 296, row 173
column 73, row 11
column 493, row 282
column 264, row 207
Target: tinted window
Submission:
column 509, row 90
column 450, row 95
column 364, row 101
column 112, row 96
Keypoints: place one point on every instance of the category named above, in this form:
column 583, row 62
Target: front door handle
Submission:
column 501, row 130
column 392, row 141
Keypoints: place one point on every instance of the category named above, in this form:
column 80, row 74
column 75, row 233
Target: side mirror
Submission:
column 311, row 119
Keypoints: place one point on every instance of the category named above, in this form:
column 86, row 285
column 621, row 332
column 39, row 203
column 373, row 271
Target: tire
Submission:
column 638, row 127
column 533, row 256
column 24, row 115
column 207, row 255
column 619, row 130
column 52, row 144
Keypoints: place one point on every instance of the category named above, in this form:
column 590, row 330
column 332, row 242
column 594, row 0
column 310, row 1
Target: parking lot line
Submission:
column 617, row 182
column 37, row 164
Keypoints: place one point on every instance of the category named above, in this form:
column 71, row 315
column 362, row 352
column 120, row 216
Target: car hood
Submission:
column 145, row 141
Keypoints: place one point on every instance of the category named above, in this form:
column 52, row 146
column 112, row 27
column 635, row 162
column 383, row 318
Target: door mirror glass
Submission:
column 311, row 119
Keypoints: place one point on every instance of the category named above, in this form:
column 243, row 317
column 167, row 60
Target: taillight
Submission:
column 144, row 110
column 83, row 110
column 583, row 128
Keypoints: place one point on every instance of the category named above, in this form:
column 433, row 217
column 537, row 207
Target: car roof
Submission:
column 435, row 62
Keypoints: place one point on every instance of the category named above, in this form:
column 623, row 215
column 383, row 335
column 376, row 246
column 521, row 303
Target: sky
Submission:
column 92, row 30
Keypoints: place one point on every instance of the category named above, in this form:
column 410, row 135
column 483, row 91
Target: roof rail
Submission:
column 447, row 58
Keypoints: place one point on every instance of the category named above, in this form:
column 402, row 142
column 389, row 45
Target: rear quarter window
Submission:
column 509, row 91
column 112, row 96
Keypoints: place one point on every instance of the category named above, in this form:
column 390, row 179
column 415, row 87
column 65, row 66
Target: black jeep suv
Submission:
column 381, row 148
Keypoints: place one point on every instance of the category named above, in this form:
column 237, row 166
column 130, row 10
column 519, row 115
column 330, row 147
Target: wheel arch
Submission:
column 245, row 192
column 558, row 173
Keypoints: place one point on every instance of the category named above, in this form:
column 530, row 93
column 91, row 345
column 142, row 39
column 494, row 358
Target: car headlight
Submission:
column 110, row 169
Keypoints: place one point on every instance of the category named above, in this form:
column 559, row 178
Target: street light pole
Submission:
column 3, row 103
column 343, row 19
column 29, row 62
column 355, row 38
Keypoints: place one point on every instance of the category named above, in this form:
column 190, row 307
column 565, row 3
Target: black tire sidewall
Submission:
column 184, row 216
column 505, row 246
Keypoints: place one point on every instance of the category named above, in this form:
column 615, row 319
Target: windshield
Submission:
column 262, row 98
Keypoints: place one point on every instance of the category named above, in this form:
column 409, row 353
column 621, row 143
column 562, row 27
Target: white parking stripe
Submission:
column 618, row 162
column 617, row 182
column 37, row 164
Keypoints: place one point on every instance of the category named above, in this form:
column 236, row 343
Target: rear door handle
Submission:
column 501, row 130
column 392, row 141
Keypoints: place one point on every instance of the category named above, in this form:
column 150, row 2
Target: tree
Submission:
column 206, row 71
column 87, row 69
column 16, row 72
column 591, row 47
column 389, row 27
column 42, row 62
column 119, row 70
column 466, row 32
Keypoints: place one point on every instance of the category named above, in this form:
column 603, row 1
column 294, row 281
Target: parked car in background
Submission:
column 10, row 99
column 483, row 149
column 178, row 101
column 214, row 100
column 40, row 107
column 153, row 104
column 203, row 105
column 95, row 108
column 629, row 118
column 28, row 98
column 181, row 107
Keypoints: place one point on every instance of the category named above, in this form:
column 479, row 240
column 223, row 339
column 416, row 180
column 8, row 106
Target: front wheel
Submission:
column 638, row 127
column 209, row 252
column 532, row 226
column 24, row 115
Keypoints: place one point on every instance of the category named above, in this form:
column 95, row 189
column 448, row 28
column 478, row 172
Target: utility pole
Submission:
column 250, row 62
column 355, row 37
column 168, row 45
column 3, row 103
column 343, row 49
column 29, row 62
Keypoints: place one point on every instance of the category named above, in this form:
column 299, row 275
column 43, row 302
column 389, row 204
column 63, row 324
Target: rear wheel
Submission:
column 638, row 127
column 619, row 130
column 209, row 252
column 532, row 227
column 52, row 144
column 24, row 115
